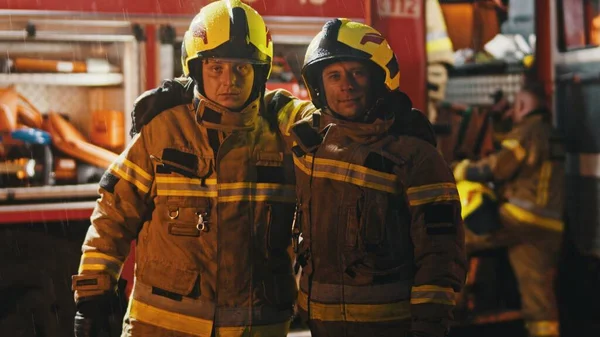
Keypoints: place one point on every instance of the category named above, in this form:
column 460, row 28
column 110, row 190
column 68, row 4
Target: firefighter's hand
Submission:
column 92, row 317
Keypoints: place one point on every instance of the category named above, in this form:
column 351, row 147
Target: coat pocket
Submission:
column 169, row 278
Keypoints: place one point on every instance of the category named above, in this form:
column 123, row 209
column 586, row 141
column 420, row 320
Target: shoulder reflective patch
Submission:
column 432, row 294
column 516, row 148
column 432, row 193
column 108, row 181
column 348, row 173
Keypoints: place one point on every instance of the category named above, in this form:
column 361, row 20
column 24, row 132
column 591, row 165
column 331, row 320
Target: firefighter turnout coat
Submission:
column 382, row 235
column 209, row 196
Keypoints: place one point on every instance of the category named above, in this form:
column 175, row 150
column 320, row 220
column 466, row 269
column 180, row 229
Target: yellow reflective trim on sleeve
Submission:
column 437, row 45
column 103, row 256
column 355, row 312
column 426, row 194
column 525, row 216
column 291, row 117
column 129, row 178
column 544, row 183
column 98, row 267
column 137, row 169
column 280, row 329
column 433, row 294
column 169, row 320
column 516, row 148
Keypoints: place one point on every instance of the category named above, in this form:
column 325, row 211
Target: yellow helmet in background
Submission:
column 340, row 40
column 228, row 29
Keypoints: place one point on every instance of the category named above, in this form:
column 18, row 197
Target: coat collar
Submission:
column 214, row 116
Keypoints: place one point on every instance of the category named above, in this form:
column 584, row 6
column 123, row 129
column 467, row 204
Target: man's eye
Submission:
column 334, row 77
column 216, row 68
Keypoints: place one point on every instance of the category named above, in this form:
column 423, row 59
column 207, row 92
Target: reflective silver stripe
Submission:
column 433, row 294
column 372, row 294
column 205, row 310
column 530, row 206
column 256, row 192
column 348, row 173
column 432, row 193
column 583, row 164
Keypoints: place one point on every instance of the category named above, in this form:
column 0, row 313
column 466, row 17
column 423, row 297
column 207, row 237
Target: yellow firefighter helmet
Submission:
column 228, row 29
column 342, row 39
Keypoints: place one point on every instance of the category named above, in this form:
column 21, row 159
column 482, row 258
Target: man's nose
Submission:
column 348, row 82
column 228, row 77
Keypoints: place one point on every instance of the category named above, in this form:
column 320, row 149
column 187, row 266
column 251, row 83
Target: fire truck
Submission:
column 100, row 55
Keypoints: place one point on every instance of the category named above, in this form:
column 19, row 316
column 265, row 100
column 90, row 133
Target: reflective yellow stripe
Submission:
column 543, row 183
column 137, row 169
column 99, row 267
column 433, row 294
column 280, row 329
column 129, row 178
column 437, row 45
column 169, row 320
column 432, row 193
column 186, row 193
column 229, row 192
column 291, row 116
column 347, row 172
column 516, row 148
column 182, row 180
column 98, row 255
column 543, row 328
column 355, row 312
column 523, row 215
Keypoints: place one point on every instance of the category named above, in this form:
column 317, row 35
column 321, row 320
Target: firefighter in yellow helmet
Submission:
column 207, row 190
column 383, row 242
column 378, row 211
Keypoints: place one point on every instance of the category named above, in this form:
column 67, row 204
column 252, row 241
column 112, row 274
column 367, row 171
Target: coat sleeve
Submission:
column 500, row 166
column 437, row 234
column 117, row 218
column 286, row 110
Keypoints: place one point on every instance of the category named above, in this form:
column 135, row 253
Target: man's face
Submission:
column 227, row 82
column 346, row 85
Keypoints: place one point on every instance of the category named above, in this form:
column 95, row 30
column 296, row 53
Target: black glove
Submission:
column 93, row 316
column 171, row 93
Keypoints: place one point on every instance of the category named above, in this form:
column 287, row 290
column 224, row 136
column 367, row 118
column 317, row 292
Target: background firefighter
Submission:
column 207, row 189
column 532, row 184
